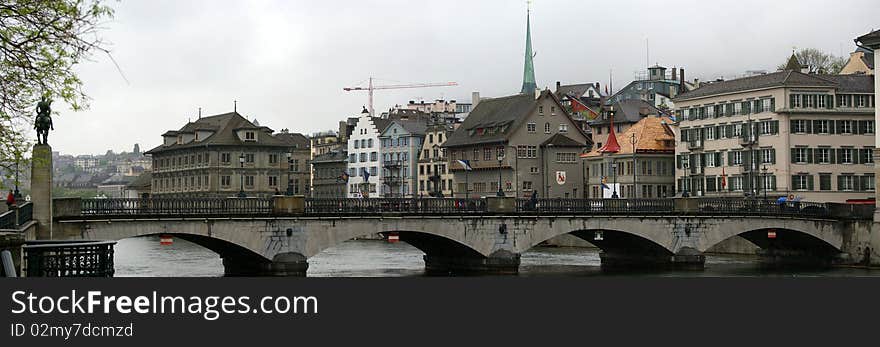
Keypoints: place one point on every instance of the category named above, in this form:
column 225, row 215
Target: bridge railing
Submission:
column 394, row 205
column 594, row 206
column 68, row 258
column 762, row 207
column 17, row 216
column 176, row 206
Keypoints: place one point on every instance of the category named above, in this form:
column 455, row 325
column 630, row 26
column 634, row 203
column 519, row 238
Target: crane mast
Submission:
column 370, row 88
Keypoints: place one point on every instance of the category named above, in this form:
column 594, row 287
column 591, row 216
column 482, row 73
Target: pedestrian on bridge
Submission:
column 10, row 200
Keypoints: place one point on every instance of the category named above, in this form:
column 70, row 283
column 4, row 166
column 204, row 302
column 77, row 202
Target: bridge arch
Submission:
column 816, row 235
column 647, row 235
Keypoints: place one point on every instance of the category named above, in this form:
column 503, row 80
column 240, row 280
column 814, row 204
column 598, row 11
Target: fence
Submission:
column 177, row 206
column 395, row 205
column 15, row 217
column 762, row 207
column 594, row 206
column 68, row 258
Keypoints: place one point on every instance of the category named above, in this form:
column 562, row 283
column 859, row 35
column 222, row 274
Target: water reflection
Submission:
column 145, row 257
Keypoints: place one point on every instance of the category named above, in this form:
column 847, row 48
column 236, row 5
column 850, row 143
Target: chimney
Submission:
column 557, row 86
column 537, row 93
column 597, row 86
column 475, row 99
column 681, row 88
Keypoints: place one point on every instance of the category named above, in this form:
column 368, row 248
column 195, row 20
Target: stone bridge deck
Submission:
column 278, row 235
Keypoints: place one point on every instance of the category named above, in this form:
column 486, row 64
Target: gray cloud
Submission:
column 287, row 61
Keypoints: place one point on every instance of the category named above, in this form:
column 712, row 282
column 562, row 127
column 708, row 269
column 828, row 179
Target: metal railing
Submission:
column 68, row 258
column 762, row 207
column 177, row 206
column 17, row 216
column 394, row 205
column 594, row 206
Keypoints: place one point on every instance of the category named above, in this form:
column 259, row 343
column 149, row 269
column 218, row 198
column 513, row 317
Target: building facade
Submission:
column 656, row 87
column 365, row 176
column 638, row 163
column 401, row 141
column 329, row 175
column 435, row 178
column 778, row 134
column 226, row 154
column 526, row 141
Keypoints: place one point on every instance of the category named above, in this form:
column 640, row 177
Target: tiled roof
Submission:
column 629, row 111
column 224, row 127
column 498, row 114
column 143, row 181
column 775, row 79
column 559, row 140
column 852, row 83
column 577, row 90
column 653, row 135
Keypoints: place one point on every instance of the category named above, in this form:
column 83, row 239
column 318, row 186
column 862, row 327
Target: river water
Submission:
column 145, row 257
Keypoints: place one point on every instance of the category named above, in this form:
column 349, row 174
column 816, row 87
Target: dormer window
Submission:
column 250, row 136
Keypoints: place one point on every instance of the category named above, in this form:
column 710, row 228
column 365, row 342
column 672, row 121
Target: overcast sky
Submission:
column 286, row 62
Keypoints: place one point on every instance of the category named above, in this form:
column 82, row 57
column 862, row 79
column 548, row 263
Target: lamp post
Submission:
column 500, row 190
column 635, row 185
column 614, row 173
column 289, row 191
column 16, row 194
column 685, row 180
column 241, row 193
column 764, row 180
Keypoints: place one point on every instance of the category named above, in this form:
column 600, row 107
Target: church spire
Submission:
column 529, row 85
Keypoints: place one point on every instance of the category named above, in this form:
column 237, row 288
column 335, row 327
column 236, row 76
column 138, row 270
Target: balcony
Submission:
column 392, row 163
column 695, row 144
column 392, row 179
column 748, row 140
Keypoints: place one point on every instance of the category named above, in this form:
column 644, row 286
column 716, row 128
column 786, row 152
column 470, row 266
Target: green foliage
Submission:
column 40, row 43
column 61, row 192
column 816, row 61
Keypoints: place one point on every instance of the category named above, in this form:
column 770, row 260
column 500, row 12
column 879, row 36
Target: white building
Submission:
column 363, row 156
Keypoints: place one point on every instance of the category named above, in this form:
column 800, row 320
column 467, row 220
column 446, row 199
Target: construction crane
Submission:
column 370, row 88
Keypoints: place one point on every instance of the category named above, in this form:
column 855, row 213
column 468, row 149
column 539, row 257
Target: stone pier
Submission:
column 41, row 190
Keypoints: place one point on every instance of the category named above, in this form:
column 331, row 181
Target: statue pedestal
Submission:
column 41, row 190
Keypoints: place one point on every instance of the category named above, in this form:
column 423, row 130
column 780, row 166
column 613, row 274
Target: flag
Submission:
column 466, row 164
column 723, row 179
column 344, row 177
column 606, row 89
column 366, row 175
column 578, row 107
column 604, row 183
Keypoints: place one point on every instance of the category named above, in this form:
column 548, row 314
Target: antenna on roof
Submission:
column 234, row 105
column 200, row 113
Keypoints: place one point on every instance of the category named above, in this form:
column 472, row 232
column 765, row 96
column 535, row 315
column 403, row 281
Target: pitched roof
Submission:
column 793, row 63
column 560, row 140
column 852, row 83
column 630, row 111
column 577, row 90
column 143, row 181
column 870, row 39
column 611, row 145
column 330, row 157
column 224, row 128
column 653, row 135
column 504, row 113
column 775, row 79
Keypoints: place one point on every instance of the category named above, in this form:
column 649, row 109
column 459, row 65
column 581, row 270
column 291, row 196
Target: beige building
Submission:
column 435, row 178
column 226, row 154
column 777, row 134
column 529, row 140
column 638, row 163
column 860, row 62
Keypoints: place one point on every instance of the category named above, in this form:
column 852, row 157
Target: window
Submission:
column 534, row 170
column 800, row 182
column 374, row 156
column 842, row 100
column 868, row 182
column 823, row 155
column 566, row 157
column 225, row 158
column 487, row 154
column 869, row 127
column 499, row 152
column 476, row 154
column 846, row 156
column 273, row 158
column 225, row 180
column 546, row 128
column 768, row 155
column 370, row 143
column 373, row 171
column 736, row 157
column 868, row 156
column 273, row 181
column 824, row 181
column 795, row 100
column 526, row 151
column 531, row 127
column 768, row 127
column 249, row 158
column 737, row 130
column 552, row 110
column 861, row 101
column 845, row 182
column 822, row 126
column 563, row 128
column 736, row 183
column 541, row 110
column 362, row 157
column 249, row 180
column 250, row 136
column 845, row 126
column 801, row 155
column 799, row 126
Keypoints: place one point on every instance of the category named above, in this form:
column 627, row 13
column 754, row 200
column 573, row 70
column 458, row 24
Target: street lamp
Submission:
column 614, row 186
column 16, row 194
column 764, row 180
column 241, row 193
column 500, row 190
column 685, row 180
column 289, row 191
column 634, row 166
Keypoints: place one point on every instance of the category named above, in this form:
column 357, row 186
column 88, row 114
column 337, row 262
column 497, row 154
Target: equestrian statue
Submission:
column 43, row 122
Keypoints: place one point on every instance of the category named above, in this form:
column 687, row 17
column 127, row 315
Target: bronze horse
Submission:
column 43, row 122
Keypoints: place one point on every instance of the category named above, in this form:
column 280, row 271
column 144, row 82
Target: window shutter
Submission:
column 829, row 102
column 838, row 127
column 857, row 127
column 839, row 183
column 839, row 155
column 793, row 155
column 717, row 132
column 791, row 101
column 809, row 182
column 816, row 156
column 746, row 159
column 730, row 159
column 859, row 156
column 809, row 155
column 774, row 127
column 833, row 154
column 773, row 182
column 772, row 104
column 717, row 158
column 773, row 156
column 810, row 127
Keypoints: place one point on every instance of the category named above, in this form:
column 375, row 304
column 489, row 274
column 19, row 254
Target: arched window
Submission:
column 547, row 128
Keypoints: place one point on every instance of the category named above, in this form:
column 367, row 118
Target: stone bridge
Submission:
column 277, row 236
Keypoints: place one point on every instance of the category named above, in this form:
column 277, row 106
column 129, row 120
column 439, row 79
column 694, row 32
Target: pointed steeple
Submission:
column 611, row 146
column 529, row 85
column 793, row 63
